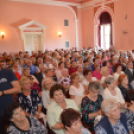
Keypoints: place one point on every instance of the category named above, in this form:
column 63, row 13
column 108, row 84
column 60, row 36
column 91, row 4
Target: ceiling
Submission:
column 78, row 3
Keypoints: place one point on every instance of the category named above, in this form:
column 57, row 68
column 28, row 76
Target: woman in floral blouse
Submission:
column 91, row 104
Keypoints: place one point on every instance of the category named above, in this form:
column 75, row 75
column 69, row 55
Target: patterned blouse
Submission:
column 88, row 106
column 30, row 103
column 130, row 118
column 35, row 127
column 118, row 128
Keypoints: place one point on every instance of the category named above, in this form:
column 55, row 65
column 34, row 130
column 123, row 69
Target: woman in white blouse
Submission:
column 87, row 73
column 46, row 86
column 118, row 68
column 112, row 91
column 105, row 73
column 76, row 89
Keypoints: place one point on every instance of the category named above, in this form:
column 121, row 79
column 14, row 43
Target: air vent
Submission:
column 66, row 23
column 67, row 44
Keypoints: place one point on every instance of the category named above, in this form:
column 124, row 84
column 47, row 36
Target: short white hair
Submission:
column 108, row 104
column 64, row 70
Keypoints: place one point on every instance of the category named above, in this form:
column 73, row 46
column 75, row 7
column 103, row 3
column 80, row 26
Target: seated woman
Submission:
column 71, row 120
column 112, row 91
column 96, row 72
column 130, row 110
column 19, row 123
column 46, row 86
column 91, row 104
column 56, row 107
column 123, row 84
column 72, row 68
column 114, row 122
column 105, row 73
column 49, row 74
column 108, row 64
column 26, row 72
column 87, row 78
column 118, row 68
column 76, row 89
column 30, row 99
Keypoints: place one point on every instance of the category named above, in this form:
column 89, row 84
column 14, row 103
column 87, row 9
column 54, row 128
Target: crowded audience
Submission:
column 103, row 81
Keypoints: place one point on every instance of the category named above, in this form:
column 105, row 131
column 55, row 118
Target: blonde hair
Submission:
column 44, row 81
column 103, row 70
column 23, row 79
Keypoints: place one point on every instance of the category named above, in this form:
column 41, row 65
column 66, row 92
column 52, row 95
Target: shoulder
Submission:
column 85, row 98
column 85, row 131
column 12, row 130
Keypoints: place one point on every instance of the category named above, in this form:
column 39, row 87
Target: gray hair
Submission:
column 108, row 104
column 41, row 65
column 77, row 66
column 108, row 80
column 95, row 85
column 63, row 70
column 44, row 81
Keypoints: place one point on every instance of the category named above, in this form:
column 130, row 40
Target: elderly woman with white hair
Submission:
column 46, row 86
column 65, row 80
column 105, row 73
column 114, row 122
column 112, row 91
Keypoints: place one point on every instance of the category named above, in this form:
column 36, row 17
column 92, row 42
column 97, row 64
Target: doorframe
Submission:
column 32, row 33
column 97, row 23
column 33, row 27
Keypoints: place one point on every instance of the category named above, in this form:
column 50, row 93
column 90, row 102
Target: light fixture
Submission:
column 2, row 35
column 59, row 34
column 124, row 31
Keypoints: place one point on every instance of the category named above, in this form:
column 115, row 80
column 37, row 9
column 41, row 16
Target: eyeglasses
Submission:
column 95, row 92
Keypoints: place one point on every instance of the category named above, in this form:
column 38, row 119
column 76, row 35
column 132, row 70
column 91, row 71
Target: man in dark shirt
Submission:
column 9, row 85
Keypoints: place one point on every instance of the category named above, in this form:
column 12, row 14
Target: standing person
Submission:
column 9, row 85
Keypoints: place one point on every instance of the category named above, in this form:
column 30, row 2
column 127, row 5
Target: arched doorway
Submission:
column 97, row 26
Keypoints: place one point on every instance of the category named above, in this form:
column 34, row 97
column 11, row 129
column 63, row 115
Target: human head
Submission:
column 14, row 113
column 2, row 64
column 75, row 78
column 110, row 82
column 111, row 108
column 73, row 64
column 79, row 68
column 61, row 65
column 25, row 83
column 87, row 73
column 57, row 92
column 130, row 65
column 71, row 120
column 104, row 71
column 64, row 72
column 67, row 63
column 123, row 79
column 130, row 96
column 94, row 88
column 29, row 62
column 118, row 67
column 26, row 71
column 85, row 62
column 42, row 67
column 97, row 67
column 49, row 72
column 46, row 84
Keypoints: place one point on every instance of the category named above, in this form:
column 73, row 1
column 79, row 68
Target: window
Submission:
column 67, row 44
column 105, row 36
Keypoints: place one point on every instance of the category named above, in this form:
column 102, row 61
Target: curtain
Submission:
column 105, row 18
